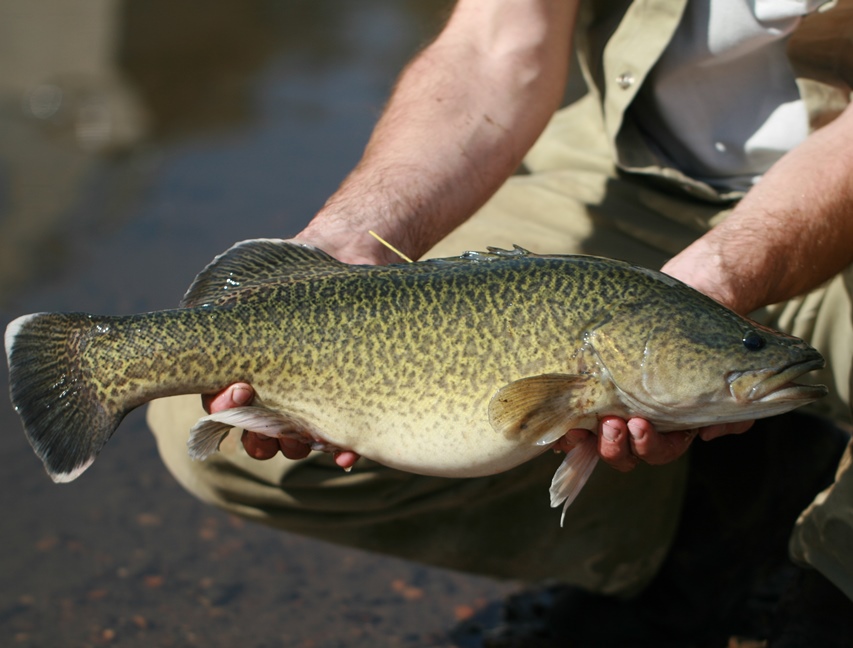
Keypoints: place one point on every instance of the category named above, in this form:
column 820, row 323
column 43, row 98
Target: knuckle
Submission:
column 612, row 453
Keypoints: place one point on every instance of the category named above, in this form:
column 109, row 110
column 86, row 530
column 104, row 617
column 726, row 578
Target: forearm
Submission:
column 790, row 233
column 459, row 122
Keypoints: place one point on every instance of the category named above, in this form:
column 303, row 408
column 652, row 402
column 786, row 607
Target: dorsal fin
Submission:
column 494, row 253
column 257, row 262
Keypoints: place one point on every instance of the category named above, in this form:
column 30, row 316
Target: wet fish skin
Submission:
column 457, row 367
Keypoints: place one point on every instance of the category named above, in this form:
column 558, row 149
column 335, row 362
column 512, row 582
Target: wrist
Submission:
column 346, row 242
column 706, row 269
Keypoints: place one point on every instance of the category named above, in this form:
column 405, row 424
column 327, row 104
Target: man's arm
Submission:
column 462, row 116
column 790, row 233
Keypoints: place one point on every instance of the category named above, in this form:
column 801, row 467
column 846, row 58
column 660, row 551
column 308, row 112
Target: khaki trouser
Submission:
column 618, row 531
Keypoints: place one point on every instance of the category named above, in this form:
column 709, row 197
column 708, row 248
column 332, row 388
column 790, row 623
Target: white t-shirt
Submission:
column 721, row 104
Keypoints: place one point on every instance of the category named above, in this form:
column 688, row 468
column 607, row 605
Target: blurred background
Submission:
column 138, row 139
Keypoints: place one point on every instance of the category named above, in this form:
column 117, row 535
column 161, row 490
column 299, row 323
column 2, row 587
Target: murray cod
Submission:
column 456, row 367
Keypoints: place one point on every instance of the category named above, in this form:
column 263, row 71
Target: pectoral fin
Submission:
column 209, row 431
column 541, row 409
column 573, row 474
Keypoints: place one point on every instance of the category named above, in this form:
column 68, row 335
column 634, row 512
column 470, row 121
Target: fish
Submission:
column 456, row 367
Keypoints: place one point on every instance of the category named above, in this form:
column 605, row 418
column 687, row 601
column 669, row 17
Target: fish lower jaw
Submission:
column 795, row 394
column 734, row 410
column 766, row 386
column 685, row 416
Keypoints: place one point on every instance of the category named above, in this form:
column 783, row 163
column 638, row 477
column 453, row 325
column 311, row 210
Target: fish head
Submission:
column 695, row 363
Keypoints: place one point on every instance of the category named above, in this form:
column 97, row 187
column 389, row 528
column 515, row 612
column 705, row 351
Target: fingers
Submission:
column 346, row 459
column 655, row 448
column 236, row 395
column 570, row 439
column 292, row 448
column 614, row 443
column 623, row 444
column 259, row 446
column 715, row 431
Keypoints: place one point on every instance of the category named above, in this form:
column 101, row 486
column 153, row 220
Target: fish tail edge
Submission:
column 65, row 423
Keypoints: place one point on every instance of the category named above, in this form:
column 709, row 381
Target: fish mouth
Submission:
column 769, row 386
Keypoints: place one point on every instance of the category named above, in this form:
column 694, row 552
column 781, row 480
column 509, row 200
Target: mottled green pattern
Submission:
column 400, row 363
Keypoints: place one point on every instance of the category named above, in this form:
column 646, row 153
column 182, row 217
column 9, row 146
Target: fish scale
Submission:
column 456, row 367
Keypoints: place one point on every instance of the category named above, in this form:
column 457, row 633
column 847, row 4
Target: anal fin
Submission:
column 209, row 431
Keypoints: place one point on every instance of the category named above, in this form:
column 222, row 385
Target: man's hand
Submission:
column 624, row 443
column 261, row 446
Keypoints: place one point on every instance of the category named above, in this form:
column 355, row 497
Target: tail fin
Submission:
column 54, row 395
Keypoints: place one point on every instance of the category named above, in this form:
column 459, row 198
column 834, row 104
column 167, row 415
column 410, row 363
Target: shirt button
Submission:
column 625, row 80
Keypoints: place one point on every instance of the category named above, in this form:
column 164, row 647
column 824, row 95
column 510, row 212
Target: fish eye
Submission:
column 753, row 341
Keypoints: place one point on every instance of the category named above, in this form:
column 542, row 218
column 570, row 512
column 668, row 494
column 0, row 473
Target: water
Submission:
column 138, row 139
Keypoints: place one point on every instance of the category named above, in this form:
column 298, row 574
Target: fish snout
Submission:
column 777, row 385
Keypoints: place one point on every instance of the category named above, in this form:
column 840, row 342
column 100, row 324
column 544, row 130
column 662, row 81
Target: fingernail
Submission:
column 609, row 432
column 636, row 433
column 241, row 395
